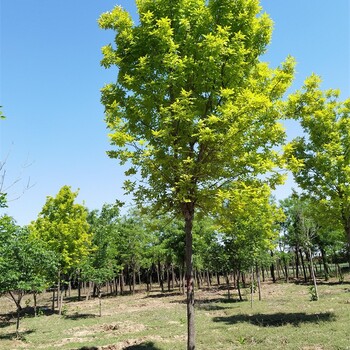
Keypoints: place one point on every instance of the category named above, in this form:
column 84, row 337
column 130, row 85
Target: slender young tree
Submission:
column 193, row 108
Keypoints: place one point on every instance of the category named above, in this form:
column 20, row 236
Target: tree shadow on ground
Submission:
column 213, row 304
column 163, row 295
column 200, row 303
column 326, row 283
column 77, row 316
column 14, row 335
column 143, row 346
column 27, row 311
column 278, row 319
column 4, row 324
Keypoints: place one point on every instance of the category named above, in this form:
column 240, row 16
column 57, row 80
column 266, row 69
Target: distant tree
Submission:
column 193, row 109
column 250, row 225
column 25, row 265
column 320, row 161
column 302, row 228
column 62, row 226
column 132, row 243
column 101, row 265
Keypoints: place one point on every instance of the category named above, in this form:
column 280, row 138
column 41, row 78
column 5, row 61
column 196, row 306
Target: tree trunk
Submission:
column 100, row 300
column 17, row 321
column 258, row 280
column 121, row 280
column 303, row 265
column 218, row 278
column 347, row 229
column 79, row 289
column 308, row 259
column 160, row 276
column 297, row 263
column 243, row 279
column 168, row 278
column 172, row 276
column 158, row 272
column 208, row 279
column 69, row 286
column 133, row 280
column 251, row 287
column 53, row 299
column 285, row 263
column 150, row 278
column 272, row 269
column 238, row 286
column 325, row 264
column 115, row 282
column 313, row 275
column 199, row 281
column 91, row 287
column 263, row 273
column 228, row 287
column 59, row 292
column 35, row 304
column 188, row 213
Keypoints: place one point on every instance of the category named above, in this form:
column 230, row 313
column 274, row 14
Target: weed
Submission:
column 313, row 294
column 242, row 340
column 64, row 310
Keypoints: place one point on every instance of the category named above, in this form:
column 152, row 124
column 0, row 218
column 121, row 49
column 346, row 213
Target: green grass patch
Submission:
column 286, row 318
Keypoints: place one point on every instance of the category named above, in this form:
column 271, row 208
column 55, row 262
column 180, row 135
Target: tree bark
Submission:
column 59, row 292
column 17, row 321
column 188, row 213
column 35, row 304
column 99, row 300
column 160, row 276
column 303, row 265
column 325, row 264
column 258, row 280
column 347, row 228
column 208, row 279
column 272, row 269
column 297, row 263
column 133, row 279
column 251, row 287
column 313, row 275
column 53, row 299
column 228, row 287
column 238, row 286
column 168, row 278
column 172, row 276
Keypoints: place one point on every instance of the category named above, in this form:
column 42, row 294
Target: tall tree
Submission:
column 192, row 109
column 62, row 225
column 320, row 161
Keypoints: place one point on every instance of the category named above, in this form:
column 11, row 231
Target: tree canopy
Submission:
column 62, row 225
column 320, row 160
column 193, row 109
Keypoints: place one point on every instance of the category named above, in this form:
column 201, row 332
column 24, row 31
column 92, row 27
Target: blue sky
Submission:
column 50, row 82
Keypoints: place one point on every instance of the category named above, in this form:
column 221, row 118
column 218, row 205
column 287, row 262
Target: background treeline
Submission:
column 103, row 252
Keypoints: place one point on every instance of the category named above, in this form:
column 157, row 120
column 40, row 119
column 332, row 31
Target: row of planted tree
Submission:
column 102, row 250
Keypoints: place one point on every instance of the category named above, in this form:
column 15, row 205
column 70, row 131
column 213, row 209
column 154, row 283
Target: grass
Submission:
column 284, row 319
